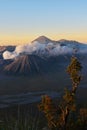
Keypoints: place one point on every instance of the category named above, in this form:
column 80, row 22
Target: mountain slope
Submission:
column 25, row 64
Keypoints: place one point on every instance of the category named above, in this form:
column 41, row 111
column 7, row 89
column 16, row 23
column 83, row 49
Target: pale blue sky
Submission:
column 23, row 20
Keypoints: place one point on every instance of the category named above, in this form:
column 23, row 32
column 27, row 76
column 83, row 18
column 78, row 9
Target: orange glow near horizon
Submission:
column 22, row 21
column 15, row 40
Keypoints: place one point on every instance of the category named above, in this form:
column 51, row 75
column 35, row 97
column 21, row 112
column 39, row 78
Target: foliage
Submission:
column 74, row 70
column 56, row 114
column 49, row 109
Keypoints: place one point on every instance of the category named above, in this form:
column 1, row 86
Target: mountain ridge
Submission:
column 44, row 39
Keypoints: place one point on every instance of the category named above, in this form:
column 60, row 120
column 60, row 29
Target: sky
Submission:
column 21, row 21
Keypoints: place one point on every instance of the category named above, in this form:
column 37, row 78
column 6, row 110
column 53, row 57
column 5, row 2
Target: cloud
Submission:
column 37, row 48
column 9, row 55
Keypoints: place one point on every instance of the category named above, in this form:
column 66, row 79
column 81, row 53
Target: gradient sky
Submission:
column 22, row 21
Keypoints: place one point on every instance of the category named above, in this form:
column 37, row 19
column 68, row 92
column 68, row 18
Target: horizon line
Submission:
column 20, row 41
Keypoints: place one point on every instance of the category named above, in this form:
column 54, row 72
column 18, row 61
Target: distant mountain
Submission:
column 43, row 55
column 60, row 45
column 8, row 48
column 25, row 64
column 44, row 40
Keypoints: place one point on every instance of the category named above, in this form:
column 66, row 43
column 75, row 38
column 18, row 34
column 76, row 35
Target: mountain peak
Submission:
column 43, row 37
column 43, row 40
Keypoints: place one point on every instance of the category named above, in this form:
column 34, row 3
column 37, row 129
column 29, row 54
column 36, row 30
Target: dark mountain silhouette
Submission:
column 25, row 64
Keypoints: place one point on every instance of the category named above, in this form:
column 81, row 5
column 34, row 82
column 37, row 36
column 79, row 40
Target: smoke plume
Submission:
column 37, row 48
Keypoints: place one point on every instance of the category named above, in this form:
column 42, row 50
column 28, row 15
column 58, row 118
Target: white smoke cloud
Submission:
column 9, row 55
column 49, row 49
column 58, row 50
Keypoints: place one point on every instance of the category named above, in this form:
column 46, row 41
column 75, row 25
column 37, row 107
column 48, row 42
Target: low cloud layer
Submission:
column 37, row 48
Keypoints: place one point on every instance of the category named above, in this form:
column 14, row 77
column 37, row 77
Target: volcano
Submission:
column 43, row 55
column 25, row 64
column 44, row 40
